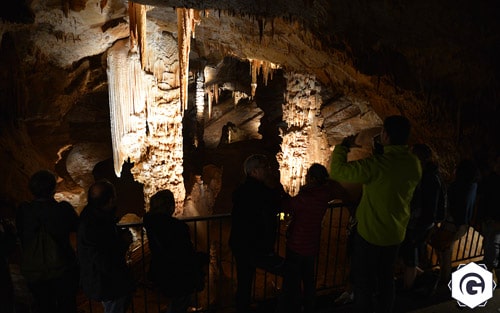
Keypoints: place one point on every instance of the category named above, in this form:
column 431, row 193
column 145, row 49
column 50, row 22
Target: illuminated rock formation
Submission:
column 304, row 141
column 146, row 117
column 370, row 59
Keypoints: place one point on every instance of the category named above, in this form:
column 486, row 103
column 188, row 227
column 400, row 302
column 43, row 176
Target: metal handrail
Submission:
column 210, row 234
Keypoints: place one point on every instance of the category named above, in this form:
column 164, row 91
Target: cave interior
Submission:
column 160, row 94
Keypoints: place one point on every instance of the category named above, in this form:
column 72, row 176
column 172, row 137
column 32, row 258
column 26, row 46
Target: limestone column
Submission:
column 304, row 141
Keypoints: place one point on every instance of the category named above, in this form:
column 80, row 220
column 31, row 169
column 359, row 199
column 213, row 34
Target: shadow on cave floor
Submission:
column 416, row 301
column 439, row 302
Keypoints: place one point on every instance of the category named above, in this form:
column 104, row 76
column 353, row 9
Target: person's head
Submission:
column 316, row 174
column 162, row 202
column 396, row 130
column 42, row 184
column 102, row 195
column 423, row 152
column 256, row 166
column 467, row 171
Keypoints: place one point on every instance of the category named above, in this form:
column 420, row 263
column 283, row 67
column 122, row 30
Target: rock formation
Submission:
column 95, row 80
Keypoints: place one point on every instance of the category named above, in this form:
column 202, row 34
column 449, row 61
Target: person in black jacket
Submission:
column 176, row 268
column 254, row 224
column 102, row 248
column 7, row 246
column 424, row 207
column 489, row 211
column 57, row 294
column 462, row 200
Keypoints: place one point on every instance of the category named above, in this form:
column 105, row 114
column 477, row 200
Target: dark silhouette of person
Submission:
column 424, row 207
column 8, row 240
column 225, row 137
column 307, row 209
column 489, row 211
column 176, row 268
column 254, row 224
column 462, row 194
column 389, row 180
column 60, row 220
column 102, row 248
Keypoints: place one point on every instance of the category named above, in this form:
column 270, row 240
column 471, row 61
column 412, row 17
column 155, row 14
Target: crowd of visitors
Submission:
column 405, row 206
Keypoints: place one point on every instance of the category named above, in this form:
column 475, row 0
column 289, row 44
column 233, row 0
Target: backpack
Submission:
column 43, row 259
column 441, row 212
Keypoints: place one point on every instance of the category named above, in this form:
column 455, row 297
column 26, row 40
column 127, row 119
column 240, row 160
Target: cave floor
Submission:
column 406, row 301
column 441, row 301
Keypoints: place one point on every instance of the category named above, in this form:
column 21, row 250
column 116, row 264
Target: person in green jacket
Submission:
column 389, row 180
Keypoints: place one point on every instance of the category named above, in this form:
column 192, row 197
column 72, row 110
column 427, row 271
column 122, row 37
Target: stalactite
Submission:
column 257, row 66
column 209, row 99
column 187, row 19
column 102, row 4
column 65, row 7
column 132, row 26
column 141, row 31
column 216, row 93
column 200, row 97
column 254, row 68
column 261, row 24
column 137, row 25
column 128, row 95
column 265, row 71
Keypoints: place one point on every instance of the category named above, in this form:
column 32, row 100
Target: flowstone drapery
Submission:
column 146, row 115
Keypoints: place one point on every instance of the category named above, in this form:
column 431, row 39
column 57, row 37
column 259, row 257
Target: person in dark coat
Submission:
column 60, row 220
column 102, row 248
column 424, row 207
column 307, row 209
column 254, row 224
column 176, row 268
column 462, row 200
column 488, row 195
column 7, row 246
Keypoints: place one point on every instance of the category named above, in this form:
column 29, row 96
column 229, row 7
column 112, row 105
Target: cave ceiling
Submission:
column 433, row 61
